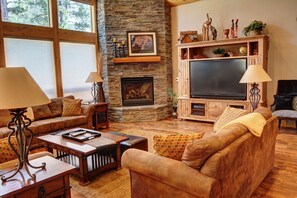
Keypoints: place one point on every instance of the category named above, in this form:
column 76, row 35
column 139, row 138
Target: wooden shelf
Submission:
column 138, row 59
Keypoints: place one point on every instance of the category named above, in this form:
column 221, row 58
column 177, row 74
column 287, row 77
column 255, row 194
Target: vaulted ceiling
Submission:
column 178, row 2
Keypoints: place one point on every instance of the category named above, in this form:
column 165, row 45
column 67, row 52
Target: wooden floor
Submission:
column 280, row 183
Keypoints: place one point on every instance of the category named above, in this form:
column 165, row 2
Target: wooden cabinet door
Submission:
column 215, row 109
column 183, row 80
column 183, row 108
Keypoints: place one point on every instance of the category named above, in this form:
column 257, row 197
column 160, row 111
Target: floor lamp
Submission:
column 255, row 74
column 18, row 91
column 96, row 89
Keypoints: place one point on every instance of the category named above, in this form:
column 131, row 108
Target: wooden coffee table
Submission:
column 89, row 160
column 51, row 182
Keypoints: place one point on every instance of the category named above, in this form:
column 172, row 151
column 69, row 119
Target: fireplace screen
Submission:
column 137, row 91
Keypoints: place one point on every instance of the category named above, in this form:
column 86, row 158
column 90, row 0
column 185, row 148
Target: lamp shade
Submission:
column 255, row 74
column 94, row 77
column 19, row 90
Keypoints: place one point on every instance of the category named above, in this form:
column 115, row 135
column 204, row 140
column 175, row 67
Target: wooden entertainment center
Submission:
column 208, row 109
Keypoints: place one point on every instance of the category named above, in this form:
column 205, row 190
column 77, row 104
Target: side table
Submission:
column 51, row 182
column 100, row 117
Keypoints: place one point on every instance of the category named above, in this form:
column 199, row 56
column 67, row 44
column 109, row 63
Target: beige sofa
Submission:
column 48, row 118
column 234, row 163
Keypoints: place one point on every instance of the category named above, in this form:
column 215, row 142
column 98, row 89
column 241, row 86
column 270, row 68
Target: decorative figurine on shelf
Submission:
column 236, row 29
column 232, row 29
column 213, row 32
column 226, row 33
column 119, row 48
column 205, row 28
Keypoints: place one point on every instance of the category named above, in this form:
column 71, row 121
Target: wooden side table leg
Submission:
column 119, row 157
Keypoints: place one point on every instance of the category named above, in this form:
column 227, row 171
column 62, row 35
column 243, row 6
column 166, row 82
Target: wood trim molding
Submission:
column 2, row 52
column 137, row 59
column 76, row 36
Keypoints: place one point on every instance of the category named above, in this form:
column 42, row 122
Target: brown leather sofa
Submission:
column 48, row 118
column 235, row 164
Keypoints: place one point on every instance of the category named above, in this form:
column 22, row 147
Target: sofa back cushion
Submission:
column 197, row 152
column 5, row 117
column 42, row 112
column 56, row 105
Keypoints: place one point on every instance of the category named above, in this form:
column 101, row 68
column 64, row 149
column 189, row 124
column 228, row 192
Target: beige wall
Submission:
column 280, row 17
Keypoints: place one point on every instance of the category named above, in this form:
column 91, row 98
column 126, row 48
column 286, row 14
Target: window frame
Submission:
column 51, row 33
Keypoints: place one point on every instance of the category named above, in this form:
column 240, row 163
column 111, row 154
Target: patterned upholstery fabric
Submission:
column 173, row 146
column 227, row 116
column 6, row 152
column 56, row 105
column 285, row 113
column 71, row 107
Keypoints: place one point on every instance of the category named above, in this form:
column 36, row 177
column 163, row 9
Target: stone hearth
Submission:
column 115, row 19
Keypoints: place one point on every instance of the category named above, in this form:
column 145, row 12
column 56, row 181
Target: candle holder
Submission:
column 119, row 48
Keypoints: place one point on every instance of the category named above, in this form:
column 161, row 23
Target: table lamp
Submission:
column 96, row 79
column 18, row 90
column 255, row 74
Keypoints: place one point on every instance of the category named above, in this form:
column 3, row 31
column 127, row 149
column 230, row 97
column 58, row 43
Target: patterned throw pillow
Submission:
column 227, row 116
column 173, row 146
column 41, row 112
column 6, row 152
column 71, row 107
column 294, row 103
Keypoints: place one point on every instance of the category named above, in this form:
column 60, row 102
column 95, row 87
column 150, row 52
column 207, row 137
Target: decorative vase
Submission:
column 243, row 50
column 174, row 113
column 226, row 33
column 254, row 33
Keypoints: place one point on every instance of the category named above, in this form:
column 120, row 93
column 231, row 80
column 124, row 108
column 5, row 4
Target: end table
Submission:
column 100, row 117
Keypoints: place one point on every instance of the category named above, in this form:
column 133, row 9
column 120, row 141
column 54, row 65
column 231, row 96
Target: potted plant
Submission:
column 174, row 100
column 255, row 27
column 219, row 52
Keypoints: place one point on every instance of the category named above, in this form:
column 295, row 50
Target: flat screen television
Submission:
column 218, row 79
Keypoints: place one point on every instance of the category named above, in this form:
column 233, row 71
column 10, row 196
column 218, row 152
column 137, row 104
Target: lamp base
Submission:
column 254, row 96
column 21, row 147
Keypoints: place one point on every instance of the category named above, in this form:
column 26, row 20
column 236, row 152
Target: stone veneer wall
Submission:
column 115, row 18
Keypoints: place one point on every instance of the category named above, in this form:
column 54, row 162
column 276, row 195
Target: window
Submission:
column 38, row 58
column 77, row 61
column 74, row 16
column 31, row 12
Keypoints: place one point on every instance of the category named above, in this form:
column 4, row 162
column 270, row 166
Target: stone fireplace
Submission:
column 136, row 101
column 137, row 91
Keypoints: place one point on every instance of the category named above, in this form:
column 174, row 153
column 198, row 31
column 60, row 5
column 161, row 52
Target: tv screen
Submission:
column 218, row 79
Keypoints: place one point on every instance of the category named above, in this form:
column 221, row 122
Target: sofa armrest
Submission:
column 88, row 110
column 171, row 173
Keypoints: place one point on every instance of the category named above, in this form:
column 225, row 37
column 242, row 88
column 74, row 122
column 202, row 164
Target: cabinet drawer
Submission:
column 215, row 109
column 50, row 188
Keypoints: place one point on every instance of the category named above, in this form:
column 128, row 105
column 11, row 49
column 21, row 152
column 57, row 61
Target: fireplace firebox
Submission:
column 137, row 91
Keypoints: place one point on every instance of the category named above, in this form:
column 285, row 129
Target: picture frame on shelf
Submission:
column 142, row 43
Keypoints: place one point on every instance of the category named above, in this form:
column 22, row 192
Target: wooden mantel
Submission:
column 137, row 59
column 179, row 2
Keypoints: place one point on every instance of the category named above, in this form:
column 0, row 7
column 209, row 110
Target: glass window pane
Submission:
column 32, row 12
column 74, row 16
column 38, row 58
column 77, row 60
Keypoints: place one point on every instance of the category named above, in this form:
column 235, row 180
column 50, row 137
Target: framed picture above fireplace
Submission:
column 142, row 43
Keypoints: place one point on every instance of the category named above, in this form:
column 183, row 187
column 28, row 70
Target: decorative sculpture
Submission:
column 232, row 29
column 213, row 32
column 205, row 28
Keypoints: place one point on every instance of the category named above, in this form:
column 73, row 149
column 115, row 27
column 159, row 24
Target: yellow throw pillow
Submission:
column 71, row 107
column 227, row 116
column 173, row 146
column 6, row 152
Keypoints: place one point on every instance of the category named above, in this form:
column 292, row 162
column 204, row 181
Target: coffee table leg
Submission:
column 83, row 170
column 119, row 156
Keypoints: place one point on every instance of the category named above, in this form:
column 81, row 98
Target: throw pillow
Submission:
column 294, row 103
column 6, row 151
column 283, row 102
column 56, row 105
column 227, row 116
column 71, row 107
column 29, row 113
column 173, row 146
column 41, row 112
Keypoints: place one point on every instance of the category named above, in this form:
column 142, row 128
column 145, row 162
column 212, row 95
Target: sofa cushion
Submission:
column 197, row 152
column 56, row 105
column 42, row 112
column 283, row 102
column 6, row 151
column 5, row 117
column 173, row 146
column 48, row 125
column 71, row 107
column 228, row 115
